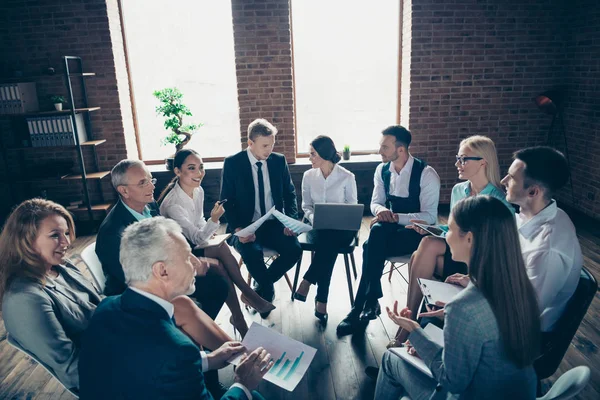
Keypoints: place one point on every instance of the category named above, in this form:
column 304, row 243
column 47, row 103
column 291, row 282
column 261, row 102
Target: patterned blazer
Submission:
column 473, row 364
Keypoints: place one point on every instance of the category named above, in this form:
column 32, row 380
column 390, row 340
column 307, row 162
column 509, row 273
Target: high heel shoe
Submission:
column 266, row 308
column 321, row 316
column 302, row 297
column 299, row 297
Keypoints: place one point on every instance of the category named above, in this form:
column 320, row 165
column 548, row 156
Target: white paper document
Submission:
column 435, row 291
column 214, row 241
column 436, row 335
column 253, row 227
column 291, row 358
column 296, row 226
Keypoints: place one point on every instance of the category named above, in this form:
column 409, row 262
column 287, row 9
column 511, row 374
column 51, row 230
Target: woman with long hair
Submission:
column 47, row 303
column 326, row 182
column 492, row 327
column 183, row 201
column 477, row 165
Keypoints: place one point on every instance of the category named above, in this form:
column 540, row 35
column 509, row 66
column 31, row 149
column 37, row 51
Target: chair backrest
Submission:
column 569, row 385
column 559, row 339
column 89, row 257
column 13, row 342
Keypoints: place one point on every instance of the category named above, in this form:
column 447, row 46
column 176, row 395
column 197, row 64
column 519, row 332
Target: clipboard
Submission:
column 434, row 291
column 213, row 241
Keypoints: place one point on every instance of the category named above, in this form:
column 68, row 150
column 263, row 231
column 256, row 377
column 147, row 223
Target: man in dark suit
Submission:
column 255, row 180
column 132, row 348
column 135, row 185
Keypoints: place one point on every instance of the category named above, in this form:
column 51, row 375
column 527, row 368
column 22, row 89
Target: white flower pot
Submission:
column 58, row 106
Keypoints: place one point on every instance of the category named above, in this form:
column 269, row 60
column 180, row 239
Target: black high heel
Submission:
column 321, row 316
column 299, row 297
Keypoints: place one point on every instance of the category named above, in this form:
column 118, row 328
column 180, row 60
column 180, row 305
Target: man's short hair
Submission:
column 402, row 135
column 544, row 166
column 260, row 127
column 145, row 243
column 119, row 171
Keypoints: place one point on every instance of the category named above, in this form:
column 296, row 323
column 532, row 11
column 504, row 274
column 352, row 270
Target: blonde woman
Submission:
column 477, row 165
column 47, row 303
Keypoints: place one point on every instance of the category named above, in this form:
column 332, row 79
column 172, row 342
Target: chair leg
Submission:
column 392, row 265
column 296, row 275
column 349, row 279
column 287, row 279
column 353, row 265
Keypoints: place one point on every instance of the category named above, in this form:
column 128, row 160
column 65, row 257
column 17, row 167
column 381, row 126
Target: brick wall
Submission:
column 263, row 57
column 582, row 109
column 35, row 36
column 475, row 68
column 469, row 67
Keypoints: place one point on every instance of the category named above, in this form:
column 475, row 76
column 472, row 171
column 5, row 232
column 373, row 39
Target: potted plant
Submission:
column 58, row 102
column 172, row 108
column 346, row 153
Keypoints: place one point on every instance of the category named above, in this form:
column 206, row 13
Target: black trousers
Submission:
column 385, row 240
column 270, row 235
column 211, row 292
column 327, row 242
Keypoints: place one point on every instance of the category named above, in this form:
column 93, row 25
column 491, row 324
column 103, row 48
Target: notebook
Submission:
column 436, row 335
column 216, row 240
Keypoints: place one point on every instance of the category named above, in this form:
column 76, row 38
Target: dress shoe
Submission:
column 267, row 293
column 350, row 324
column 371, row 311
column 372, row 372
column 265, row 315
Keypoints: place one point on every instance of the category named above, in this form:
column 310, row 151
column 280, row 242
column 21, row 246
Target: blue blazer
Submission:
column 237, row 186
column 108, row 245
column 133, row 350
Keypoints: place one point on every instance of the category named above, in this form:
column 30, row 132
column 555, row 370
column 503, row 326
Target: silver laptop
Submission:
column 343, row 217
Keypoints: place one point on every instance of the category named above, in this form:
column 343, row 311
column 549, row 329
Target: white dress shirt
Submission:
column 170, row 310
column 268, row 195
column 189, row 213
column 338, row 187
column 552, row 258
column 399, row 182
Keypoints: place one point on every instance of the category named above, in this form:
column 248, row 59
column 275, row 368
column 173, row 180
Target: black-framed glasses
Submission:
column 143, row 183
column 463, row 160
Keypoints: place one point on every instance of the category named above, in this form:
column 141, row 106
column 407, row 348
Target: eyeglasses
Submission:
column 143, row 183
column 463, row 160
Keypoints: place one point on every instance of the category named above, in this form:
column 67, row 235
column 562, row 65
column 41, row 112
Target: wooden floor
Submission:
column 337, row 370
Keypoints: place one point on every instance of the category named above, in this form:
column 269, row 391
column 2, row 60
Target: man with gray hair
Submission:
column 132, row 347
column 135, row 185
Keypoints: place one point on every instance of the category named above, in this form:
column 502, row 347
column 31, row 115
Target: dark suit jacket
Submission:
column 132, row 350
column 108, row 245
column 237, row 186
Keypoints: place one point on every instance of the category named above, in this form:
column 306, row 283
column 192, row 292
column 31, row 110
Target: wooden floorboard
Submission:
column 337, row 371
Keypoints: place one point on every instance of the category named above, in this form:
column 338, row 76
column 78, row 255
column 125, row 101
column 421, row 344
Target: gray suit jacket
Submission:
column 473, row 364
column 47, row 320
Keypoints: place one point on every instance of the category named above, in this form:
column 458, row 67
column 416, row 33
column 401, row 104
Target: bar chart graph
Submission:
column 291, row 358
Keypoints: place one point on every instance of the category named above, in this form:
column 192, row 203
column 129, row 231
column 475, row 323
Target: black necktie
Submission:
column 261, row 189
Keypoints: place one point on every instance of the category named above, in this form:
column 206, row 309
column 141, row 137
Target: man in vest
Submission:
column 406, row 189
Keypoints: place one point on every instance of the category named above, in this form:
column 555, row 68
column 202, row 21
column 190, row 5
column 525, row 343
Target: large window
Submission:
column 186, row 44
column 345, row 70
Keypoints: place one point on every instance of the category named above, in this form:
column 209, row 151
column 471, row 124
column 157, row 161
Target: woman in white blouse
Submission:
column 326, row 182
column 183, row 201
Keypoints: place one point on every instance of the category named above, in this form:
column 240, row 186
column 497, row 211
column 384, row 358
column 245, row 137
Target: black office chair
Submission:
column 348, row 251
column 556, row 343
